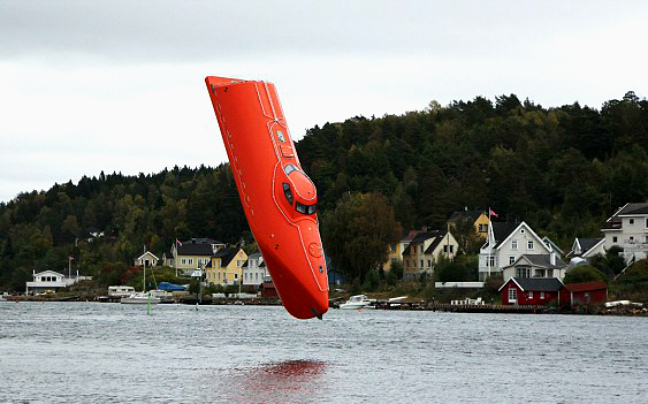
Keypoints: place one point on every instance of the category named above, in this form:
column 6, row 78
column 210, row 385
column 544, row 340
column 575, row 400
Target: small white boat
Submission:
column 357, row 302
column 140, row 298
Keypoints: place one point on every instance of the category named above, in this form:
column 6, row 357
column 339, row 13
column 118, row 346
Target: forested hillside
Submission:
column 563, row 170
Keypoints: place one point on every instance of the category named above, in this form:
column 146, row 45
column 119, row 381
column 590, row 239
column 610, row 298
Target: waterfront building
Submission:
column 583, row 294
column 628, row 228
column 530, row 291
column 226, row 266
column 51, row 281
column 536, row 266
column 506, row 242
column 396, row 249
column 423, row 252
column 254, row 270
column 587, row 248
column 193, row 254
column 148, row 259
column 479, row 219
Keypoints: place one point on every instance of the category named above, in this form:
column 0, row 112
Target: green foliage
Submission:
column 461, row 269
column 637, row 272
column 564, row 170
column 358, row 232
column 584, row 273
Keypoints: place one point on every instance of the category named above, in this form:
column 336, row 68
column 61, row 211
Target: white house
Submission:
column 51, row 280
column 536, row 266
column 506, row 243
column 628, row 229
column 254, row 270
column 148, row 259
column 587, row 248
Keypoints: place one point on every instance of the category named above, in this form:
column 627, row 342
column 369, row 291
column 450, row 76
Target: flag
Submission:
column 178, row 242
column 491, row 213
column 71, row 258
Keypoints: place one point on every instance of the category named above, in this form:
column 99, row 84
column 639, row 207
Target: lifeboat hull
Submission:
column 277, row 197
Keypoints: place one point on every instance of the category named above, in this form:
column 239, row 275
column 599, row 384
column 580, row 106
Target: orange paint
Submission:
column 278, row 198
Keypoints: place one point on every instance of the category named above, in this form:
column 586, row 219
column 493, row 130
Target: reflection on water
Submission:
column 77, row 353
column 293, row 381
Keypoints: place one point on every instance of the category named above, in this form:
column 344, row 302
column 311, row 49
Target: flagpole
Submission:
column 175, row 258
column 490, row 245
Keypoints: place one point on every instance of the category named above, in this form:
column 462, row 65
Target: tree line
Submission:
column 563, row 169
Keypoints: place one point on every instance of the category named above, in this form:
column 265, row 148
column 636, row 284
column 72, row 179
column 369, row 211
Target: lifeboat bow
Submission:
column 278, row 198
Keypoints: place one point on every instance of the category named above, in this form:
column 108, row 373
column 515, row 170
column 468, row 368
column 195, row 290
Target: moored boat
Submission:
column 357, row 302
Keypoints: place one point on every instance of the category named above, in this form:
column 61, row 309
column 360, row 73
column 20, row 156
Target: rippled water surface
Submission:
column 111, row 353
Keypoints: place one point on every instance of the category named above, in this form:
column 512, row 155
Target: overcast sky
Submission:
column 116, row 85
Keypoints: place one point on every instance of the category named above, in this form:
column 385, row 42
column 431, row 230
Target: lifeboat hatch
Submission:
column 287, row 152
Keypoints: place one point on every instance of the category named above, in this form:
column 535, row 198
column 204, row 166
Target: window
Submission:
column 492, row 262
column 430, row 262
column 512, row 295
column 256, row 276
column 530, row 245
column 511, row 259
column 305, row 209
column 184, row 261
column 190, row 261
column 530, row 294
column 287, row 192
column 422, row 264
column 514, row 245
column 523, row 272
column 521, row 231
column 542, row 295
column 451, row 248
column 631, row 221
column 407, row 263
column 483, row 228
column 289, row 169
column 200, row 261
column 647, row 223
column 614, row 239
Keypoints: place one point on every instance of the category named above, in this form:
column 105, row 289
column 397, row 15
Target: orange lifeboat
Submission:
column 279, row 199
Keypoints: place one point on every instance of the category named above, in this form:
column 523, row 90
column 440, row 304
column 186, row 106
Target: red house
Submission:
column 530, row 291
column 584, row 294
column 267, row 289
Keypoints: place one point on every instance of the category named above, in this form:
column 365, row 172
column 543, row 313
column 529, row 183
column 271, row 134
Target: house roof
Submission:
column 49, row 271
column 226, row 255
column 501, row 231
column 633, row 209
column 437, row 240
column 466, row 214
column 195, row 249
column 148, row 253
column 254, row 256
column 585, row 244
column 585, row 286
column 544, row 260
column 421, row 238
column 629, row 209
column 546, row 239
column 202, row 240
column 536, row 284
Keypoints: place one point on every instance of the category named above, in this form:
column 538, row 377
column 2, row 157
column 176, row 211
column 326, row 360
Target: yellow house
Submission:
column 396, row 250
column 424, row 250
column 193, row 254
column 226, row 266
column 479, row 218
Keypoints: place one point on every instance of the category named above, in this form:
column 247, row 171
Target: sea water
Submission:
column 111, row 353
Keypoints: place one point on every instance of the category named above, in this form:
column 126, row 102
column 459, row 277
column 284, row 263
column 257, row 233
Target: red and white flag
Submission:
column 71, row 258
column 178, row 242
column 491, row 213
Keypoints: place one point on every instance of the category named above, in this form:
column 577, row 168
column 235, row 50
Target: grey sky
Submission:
column 87, row 86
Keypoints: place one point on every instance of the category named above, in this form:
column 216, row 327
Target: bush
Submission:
column 584, row 273
column 636, row 273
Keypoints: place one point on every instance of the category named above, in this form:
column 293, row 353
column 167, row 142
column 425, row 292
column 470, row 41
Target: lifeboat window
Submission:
column 305, row 209
column 288, row 193
column 290, row 168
